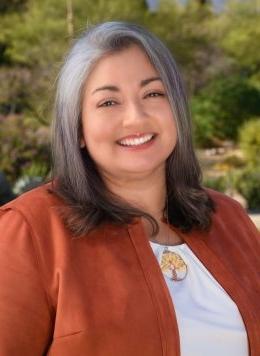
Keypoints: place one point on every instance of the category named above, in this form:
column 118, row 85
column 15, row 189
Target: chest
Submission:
column 111, row 298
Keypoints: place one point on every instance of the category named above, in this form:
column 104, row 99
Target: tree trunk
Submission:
column 70, row 18
column 202, row 2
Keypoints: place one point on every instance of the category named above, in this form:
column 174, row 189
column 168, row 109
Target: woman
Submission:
column 124, row 253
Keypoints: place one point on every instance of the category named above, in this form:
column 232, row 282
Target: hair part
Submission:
column 89, row 203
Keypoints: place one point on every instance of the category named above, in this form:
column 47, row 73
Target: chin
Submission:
column 142, row 169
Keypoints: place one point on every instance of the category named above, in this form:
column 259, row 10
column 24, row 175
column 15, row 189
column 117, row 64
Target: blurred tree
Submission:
column 37, row 41
column 70, row 16
column 202, row 2
column 238, row 34
column 23, row 144
column 249, row 139
column 221, row 108
column 12, row 5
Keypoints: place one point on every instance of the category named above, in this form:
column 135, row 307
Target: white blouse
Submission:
column 209, row 321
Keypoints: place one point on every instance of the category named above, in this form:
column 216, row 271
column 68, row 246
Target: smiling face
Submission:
column 128, row 125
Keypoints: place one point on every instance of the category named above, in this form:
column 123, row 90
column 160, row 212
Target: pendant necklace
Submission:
column 172, row 264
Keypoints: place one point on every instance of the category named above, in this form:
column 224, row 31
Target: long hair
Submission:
column 78, row 181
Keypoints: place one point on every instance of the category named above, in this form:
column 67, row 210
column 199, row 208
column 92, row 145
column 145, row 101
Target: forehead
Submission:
column 130, row 62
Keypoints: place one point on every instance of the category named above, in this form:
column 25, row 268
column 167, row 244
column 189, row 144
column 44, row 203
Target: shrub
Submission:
column 234, row 161
column 216, row 183
column 203, row 123
column 24, row 147
column 247, row 182
column 249, row 141
column 222, row 106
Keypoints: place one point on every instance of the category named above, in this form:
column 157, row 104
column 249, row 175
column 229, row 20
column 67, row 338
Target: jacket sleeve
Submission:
column 25, row 317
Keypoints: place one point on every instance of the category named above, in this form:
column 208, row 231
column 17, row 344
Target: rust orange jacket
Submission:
column 104, row 294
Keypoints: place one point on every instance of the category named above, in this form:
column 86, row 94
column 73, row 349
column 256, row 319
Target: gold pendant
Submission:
column 173, row 266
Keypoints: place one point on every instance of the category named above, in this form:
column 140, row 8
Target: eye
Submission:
column 154, row 94
column 107, row 103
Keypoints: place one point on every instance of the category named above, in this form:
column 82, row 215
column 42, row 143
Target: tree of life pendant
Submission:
column 173, row 266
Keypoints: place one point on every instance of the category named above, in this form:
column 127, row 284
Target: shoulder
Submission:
column 226, row 206
column 32, row 226
column 36, row 197
column 221, row 199
column 39, row 211
column 230, row 218
column 37, row 203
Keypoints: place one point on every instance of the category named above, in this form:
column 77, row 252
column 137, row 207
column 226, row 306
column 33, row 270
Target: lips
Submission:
column 136, row 140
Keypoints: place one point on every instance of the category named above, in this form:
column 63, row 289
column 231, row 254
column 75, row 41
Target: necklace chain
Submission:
column 172, row 264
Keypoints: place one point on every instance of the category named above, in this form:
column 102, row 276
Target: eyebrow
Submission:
column 114, row 88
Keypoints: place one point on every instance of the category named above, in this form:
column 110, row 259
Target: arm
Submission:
column 25, row 318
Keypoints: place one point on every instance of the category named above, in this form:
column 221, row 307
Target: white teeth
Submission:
column 136, row 141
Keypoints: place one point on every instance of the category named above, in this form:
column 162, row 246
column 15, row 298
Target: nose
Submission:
column 134, row 114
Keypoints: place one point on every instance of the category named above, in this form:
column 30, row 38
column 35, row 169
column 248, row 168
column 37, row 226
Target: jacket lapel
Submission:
column 159, row 291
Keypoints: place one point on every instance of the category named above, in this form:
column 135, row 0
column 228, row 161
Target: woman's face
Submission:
column 128, row 126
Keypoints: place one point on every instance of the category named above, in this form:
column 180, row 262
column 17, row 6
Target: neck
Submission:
column 145, row 193
column 149, row 195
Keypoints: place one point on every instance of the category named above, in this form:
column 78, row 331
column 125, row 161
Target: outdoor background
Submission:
column 216, row 44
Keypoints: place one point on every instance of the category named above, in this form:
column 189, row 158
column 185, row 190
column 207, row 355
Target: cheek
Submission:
column 171, row 132
column 170, row 125
column 96, row 133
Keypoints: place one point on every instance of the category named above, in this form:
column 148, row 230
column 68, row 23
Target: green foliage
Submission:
column 247, row 183
column 40, row 35
column 12, row 5
column 14, row 89
column 32, row 34
column 249, row 141
column 233, row 161
column 216, row 183
column 221, row 108
column 203, row 123
column 240, row 34
column 32, row 48
column 24, row 145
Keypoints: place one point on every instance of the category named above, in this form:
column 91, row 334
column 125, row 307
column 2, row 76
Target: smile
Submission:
column 136, row 141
